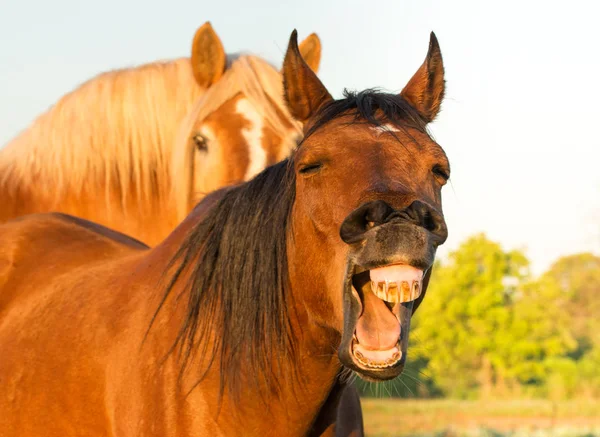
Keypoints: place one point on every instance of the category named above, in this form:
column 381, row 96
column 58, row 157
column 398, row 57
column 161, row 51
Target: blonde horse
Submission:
column 135, row 149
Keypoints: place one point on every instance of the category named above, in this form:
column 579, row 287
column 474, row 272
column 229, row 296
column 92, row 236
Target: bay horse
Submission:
column 135, row 149
column 246, row 318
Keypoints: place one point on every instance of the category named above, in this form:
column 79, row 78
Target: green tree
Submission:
column 461, row 327
column 576, row 279
column 588, row 374
column 539, row 340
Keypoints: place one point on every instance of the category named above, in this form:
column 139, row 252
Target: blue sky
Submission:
column 523, row 85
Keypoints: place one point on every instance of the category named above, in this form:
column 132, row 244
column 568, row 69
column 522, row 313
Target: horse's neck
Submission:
column 304, row 379
column 304, row 382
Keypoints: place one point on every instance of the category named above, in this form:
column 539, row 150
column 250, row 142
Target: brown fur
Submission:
column 76, row 300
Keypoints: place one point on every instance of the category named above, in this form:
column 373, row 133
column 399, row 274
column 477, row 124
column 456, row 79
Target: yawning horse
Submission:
column 243, row 319
column 135, row 149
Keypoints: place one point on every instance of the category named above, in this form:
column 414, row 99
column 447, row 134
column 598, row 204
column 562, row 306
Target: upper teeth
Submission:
column 396, row 292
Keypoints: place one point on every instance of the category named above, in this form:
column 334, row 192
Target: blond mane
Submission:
column 126, row 131
column 262, row 85
column 113, row 133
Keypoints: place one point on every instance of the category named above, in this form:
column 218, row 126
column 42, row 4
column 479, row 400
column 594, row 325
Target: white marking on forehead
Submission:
column 257, row 156
column 385, row 128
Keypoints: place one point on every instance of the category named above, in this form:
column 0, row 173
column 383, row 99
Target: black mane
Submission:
column 238, row 286
column 239, row 300
column 373, row 107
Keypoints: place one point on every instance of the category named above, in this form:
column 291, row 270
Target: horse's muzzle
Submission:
column 387, row 275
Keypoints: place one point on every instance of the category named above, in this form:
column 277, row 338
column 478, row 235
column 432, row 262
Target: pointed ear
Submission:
column 425, row 91
column 303, row 91
column 208, row 56
column 310, row 49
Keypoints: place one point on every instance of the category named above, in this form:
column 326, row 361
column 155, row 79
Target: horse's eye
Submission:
column 440, row 172
column 201, row 142
column 310, row 168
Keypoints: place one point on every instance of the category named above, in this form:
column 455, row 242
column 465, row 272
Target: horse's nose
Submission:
column 421, row 214
column 376, row 213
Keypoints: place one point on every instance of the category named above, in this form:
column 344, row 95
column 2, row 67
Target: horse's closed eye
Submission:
column 310, row 168
column 440, row 172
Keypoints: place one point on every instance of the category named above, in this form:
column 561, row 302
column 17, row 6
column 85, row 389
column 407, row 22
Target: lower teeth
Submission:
column 377, row 364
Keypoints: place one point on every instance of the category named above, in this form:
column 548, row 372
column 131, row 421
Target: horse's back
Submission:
column 34, row 249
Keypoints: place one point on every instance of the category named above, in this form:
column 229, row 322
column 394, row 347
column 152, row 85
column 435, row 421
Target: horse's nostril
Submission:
column 362, row 219
column 429, row 222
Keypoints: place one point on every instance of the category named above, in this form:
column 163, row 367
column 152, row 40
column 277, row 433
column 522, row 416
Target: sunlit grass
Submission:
column 451, row 418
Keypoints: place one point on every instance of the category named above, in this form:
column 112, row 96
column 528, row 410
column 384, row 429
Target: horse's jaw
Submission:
column 386, row 278
column 377, row 321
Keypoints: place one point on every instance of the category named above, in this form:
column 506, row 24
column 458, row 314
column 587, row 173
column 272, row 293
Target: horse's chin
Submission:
column 378, row 306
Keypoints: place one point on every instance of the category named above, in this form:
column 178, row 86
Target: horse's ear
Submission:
column 310, row 49
column 304, row 93
column 425, row 90
column 208, row 56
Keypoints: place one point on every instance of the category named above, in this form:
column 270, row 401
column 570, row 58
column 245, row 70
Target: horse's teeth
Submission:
column 405, row 292
column 393, row 292
column 416, row 290
column 396, row 292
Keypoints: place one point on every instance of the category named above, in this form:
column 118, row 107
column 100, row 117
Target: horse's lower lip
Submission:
column 373, row 360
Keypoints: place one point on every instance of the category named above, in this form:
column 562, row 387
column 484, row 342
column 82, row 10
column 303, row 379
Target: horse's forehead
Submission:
column 361, row 136
column 368, row 145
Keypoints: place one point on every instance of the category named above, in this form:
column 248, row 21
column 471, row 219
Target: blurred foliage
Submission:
column 487, row 329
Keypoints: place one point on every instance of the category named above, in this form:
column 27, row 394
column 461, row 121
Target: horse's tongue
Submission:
column 377, row 328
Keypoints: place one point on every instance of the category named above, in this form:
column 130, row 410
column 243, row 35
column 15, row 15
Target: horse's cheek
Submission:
column 310, row 199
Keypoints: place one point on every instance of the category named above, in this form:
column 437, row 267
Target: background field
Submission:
column 428, row 418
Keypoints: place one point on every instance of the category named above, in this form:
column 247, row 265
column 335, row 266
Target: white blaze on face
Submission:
column 385, row 128
column 257, row 156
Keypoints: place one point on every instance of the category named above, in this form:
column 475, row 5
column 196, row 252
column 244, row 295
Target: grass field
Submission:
column 450, row 418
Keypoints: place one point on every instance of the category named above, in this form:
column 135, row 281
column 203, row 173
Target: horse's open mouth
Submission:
column 385, row 294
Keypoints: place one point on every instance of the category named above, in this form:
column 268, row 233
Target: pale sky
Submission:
column 523, row 87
